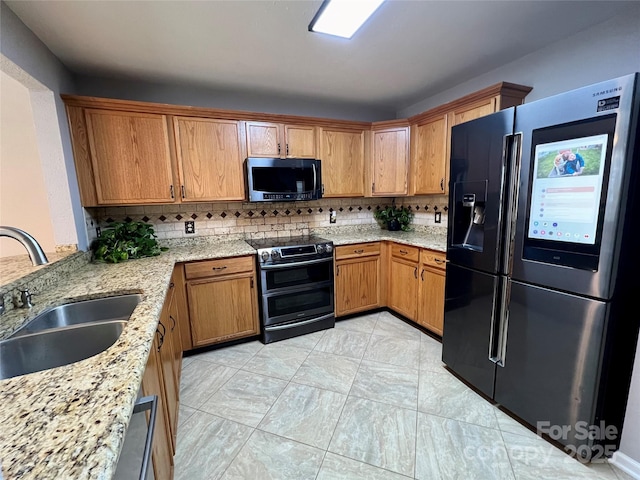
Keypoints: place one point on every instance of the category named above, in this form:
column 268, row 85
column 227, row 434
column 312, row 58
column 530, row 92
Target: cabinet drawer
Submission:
column 215, row 268
column 405, row 251
column 357, row 250
column 433, row 259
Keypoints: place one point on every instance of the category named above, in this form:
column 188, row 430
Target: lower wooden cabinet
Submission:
column 357, row 278
column 403, row 280
column 222, row 300
column 153, row 384
column 431, row 291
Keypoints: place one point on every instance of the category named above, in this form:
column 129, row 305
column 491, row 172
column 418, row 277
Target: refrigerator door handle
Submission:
column 493, row 343
column 512, row 205
column 504, row 324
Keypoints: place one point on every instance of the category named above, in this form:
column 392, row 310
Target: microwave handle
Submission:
column 314, row 178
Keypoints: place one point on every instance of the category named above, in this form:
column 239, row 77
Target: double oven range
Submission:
column 296, row 286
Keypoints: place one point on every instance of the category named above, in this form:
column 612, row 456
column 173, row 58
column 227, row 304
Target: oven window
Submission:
column 306, row 301
column 299, row 276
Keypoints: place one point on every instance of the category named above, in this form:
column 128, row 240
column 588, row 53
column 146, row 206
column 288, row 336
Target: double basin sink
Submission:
column 66, row 334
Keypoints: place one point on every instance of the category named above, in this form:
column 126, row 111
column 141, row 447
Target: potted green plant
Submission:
column 394, row 218
column 121, row 241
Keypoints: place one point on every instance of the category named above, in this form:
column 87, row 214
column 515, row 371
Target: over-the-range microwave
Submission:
column 283, row 180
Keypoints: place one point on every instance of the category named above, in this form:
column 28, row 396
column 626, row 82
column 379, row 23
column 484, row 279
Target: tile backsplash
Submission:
column 259, row 220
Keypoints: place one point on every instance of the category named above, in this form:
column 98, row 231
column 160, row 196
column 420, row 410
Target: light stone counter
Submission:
column 69, row 422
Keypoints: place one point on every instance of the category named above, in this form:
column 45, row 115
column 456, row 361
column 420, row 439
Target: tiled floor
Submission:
column 368, row 399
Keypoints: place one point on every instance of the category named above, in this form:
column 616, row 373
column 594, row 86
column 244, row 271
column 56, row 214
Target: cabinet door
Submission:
column 429, row 156
column 473, row 111
column 403, row 287
column 153, row 384
column 210, row 159
column 342, row 156
column 390, row 162
column 431, row 297
column 357, row 285
column 263, row 139
column 130, row 157
column 222, row 308
column 300, row 141
column 167, row 359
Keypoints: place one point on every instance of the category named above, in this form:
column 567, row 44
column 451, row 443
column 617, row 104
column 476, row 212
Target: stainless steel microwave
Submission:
column 283, row 180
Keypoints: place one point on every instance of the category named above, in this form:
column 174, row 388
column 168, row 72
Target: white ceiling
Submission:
column 408, row 51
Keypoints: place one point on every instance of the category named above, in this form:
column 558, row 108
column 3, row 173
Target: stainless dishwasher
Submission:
column 135, row 457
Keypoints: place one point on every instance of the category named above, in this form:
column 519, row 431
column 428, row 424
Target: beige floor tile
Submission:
column 363, row 324
column 207, row 445
column 328, row 371
column 378, row 434
column 393, row 350
column 449, row 449
column 245, row 398
column 336, row 467
column 444, row 395
column 305, row 414
column 280, row 361
column 387, row 383
column 234, row 356
column 391, row 326
column 184, row 413
column 200, row 380
column 344, row 342
column 308, row 341
column 270, row 457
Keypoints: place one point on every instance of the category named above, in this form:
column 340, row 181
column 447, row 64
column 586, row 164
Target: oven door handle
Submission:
column 298, row 324
column 295, row 264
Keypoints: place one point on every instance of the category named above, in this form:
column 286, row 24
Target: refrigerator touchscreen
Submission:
column 567, row 189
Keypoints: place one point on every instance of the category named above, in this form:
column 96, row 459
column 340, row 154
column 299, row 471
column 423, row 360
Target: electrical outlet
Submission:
column 189, row 226
column 438, row 217
column 332, row 217
column 98, row 231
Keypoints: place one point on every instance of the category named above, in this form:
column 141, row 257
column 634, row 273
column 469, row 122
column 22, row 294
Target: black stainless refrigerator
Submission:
column 543, row 282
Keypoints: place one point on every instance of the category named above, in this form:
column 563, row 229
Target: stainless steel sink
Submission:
column 88, row 311
column 56, row 347
column 66, row 334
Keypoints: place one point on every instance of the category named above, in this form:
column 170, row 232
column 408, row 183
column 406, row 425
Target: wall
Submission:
column 199, row 96
column 25, row 57
column 602, row 52
column 260, row 220
column 25, row 208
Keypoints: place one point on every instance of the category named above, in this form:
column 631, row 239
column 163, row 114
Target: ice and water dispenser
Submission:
column 469, row 214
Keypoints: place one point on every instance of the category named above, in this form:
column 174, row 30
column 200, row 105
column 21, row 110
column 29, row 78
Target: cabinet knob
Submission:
column 359, row 251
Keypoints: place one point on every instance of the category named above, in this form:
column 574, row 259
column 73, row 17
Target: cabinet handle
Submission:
column 337, row 270
column 287, row 149
column 171, row 285
column 437, row 260
column 219, row 268
column 323, row 188
column 278, row 148
column 184, row 195
column 161, row 337
column 442, row 184
column 251, row 283
column 171, row 191
column 403, row 252
column 373, row 187
column 173, row 321
column 415, row 273
column 422, row 275
column 359, row 251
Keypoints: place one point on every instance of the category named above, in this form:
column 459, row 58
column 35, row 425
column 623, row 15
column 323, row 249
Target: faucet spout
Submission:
column 33, row 247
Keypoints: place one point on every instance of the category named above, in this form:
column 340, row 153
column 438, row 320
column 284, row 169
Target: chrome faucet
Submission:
column 33, row 247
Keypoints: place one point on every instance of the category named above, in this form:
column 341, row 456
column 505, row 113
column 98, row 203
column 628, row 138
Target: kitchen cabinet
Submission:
column 431, row 290
column 222, row 300
column 210, row 156
column 342, row 157
column 275, row 140
column 403, row 280
column 357, row 278
column 182, row 309
column 389, row 160
column 130, row 157
column 153, row 384
column 430, row 155
column 431, row 133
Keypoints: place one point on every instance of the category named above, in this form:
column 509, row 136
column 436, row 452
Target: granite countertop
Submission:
column 70, row 421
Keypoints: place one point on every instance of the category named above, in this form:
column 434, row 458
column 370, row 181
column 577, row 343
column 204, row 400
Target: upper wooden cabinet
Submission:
column 342, row 157
column 130, row 157
column 210, row 159
column 275, row 140
column 431, row 133
column 389, row 161
column 430, row 154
